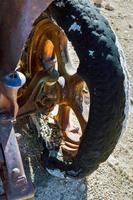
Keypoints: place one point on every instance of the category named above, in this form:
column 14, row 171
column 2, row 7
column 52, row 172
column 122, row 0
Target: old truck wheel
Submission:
column 102, row 68
column 101, row 71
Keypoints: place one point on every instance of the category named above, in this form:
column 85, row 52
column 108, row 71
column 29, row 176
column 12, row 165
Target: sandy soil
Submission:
column 114, row 178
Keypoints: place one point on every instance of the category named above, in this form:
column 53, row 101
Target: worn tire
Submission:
column 102, row 69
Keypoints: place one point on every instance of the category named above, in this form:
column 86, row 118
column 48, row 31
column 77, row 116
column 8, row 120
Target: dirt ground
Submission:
column 114, row 178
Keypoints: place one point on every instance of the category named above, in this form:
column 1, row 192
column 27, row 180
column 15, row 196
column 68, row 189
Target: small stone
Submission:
column 130, row 26
column 82, row 187
column 51, row 120
column 74, row 197
column 18, row 136
column 91, row 197
column 131, row 100
column 98, row 2
column 112, row 161
column 109, row 7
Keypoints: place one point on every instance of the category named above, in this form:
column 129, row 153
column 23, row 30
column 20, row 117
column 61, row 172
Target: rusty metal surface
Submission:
column 34, row 63
column 17, row 187
column 48, row 84
column 14, row 179
column 45, row 55
column 16, row 19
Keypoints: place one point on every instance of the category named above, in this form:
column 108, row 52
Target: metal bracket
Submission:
column 17, row 186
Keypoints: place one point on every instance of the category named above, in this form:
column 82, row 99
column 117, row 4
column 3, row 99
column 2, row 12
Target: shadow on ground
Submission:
column 47, row 187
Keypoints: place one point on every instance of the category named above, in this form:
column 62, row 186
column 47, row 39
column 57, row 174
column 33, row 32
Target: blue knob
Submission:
column 15, row 79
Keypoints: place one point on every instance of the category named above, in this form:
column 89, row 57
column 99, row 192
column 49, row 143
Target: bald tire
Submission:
column 101, row 68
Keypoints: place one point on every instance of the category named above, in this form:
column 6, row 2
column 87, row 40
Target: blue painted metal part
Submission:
column 16, row 79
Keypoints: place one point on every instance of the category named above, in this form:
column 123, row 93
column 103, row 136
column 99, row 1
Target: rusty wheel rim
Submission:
column 47, row 42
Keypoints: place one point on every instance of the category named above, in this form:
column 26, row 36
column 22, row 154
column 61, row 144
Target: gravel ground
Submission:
column 114, row 178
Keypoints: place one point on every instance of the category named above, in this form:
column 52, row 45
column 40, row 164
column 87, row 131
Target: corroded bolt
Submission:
column 16, row 172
